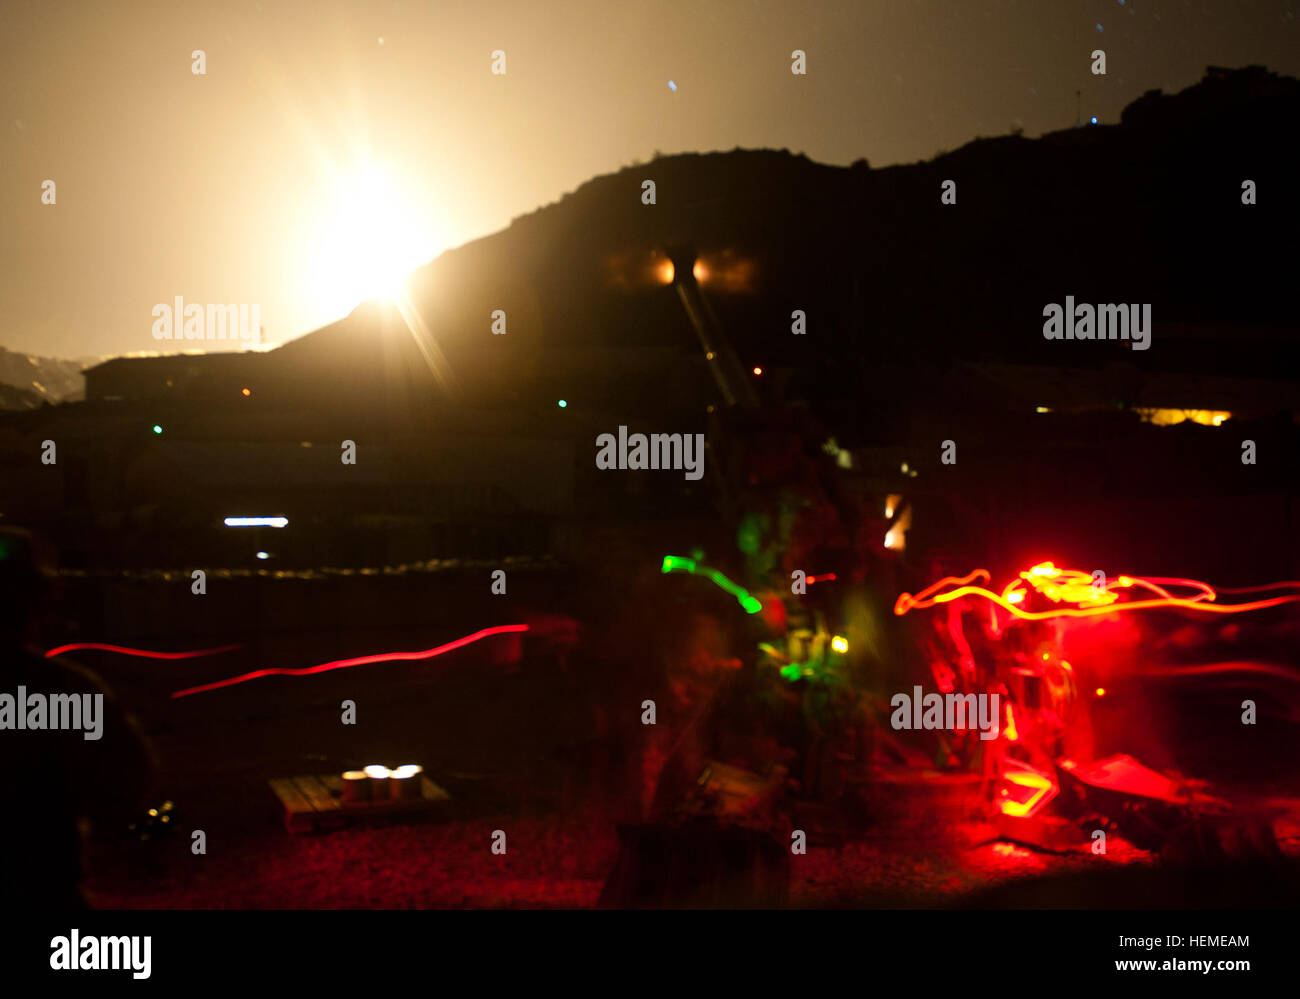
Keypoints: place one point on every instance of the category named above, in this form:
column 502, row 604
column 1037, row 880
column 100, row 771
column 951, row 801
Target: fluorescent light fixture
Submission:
column 257, row 521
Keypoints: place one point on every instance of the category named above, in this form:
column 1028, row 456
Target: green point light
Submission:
column 563, row 403
column 157, row 429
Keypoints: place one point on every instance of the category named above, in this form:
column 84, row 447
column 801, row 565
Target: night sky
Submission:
column 323, row 130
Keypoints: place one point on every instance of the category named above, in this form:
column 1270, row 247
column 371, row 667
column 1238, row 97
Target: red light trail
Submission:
column 459, row 643
column 141, row 653
column 1076, row 587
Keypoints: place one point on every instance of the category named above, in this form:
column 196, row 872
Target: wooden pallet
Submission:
column 313, row 804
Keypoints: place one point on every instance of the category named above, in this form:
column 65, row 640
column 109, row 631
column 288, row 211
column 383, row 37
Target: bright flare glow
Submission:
column 1172, row 417
column 369, row 238
column 1033, row 790
column 1073, row 586
column 257, row 521
column 840, row 644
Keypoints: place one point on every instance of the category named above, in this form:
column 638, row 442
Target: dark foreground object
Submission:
column 697, row 864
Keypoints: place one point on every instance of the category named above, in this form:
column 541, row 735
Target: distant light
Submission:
column 709, row 356
column 1101, row 691
column 377, row 771
column 1172, row 417
column 758, row 371
column 562, row 403
column 407, row 770
column 246, row 392
column 257, row 521
column 1042, row 409
column 699, row 271
column 840, row 644
column 672, row 86
column 1094, row 119
column 263, row 555
column 157, row 429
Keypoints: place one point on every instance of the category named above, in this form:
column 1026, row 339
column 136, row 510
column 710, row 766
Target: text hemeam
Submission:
column 684, row 452
column 77, row 953
column 1100, row 322
column 53, row 712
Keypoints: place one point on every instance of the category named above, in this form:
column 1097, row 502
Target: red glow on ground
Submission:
column 142, row 653
column 459, row 643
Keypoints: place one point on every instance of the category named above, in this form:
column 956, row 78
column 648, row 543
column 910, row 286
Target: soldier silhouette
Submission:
column 57, row 784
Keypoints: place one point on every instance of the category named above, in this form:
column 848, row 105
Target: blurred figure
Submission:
column 55, row 783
